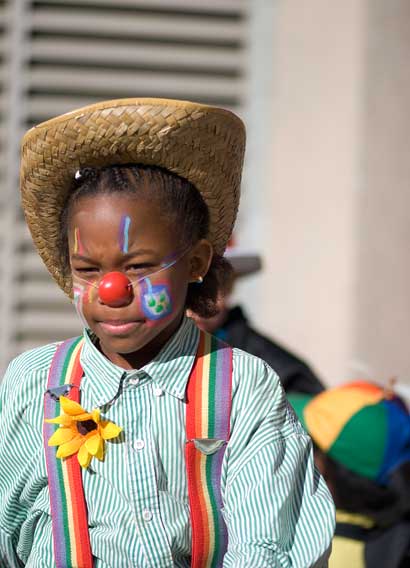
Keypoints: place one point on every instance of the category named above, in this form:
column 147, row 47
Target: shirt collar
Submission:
column 170, row 369
column 102, row 378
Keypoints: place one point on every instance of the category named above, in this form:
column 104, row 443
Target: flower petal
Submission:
column 61, row 436
column 70, row 406
column 84, row 457
column 63, row 419
column 100, row 453
column 82, row 417
column 70, row 448
column 109, row 430
column 95, row 415
column 93, row 444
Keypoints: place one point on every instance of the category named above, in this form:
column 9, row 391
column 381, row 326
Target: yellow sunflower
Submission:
column 81, row 431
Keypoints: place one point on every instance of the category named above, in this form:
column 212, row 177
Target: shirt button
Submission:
column 139, row 444
column 147, row 515
column 134, row 381
column 158, row 391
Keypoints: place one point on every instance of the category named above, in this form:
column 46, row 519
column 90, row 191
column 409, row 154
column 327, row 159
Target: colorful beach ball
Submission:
column 358, row 425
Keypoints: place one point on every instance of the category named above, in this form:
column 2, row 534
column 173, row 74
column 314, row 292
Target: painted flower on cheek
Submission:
column 80, row 432
column 155, row 300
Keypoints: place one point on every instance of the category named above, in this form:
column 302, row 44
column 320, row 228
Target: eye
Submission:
column 87, row 269
column 140, row 266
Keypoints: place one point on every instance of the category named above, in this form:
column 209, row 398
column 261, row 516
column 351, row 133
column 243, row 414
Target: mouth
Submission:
column 119, row 327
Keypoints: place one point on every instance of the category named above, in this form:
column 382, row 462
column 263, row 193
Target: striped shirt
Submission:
column 276, row 506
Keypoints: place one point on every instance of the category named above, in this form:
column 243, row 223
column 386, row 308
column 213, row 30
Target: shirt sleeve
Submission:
column 21, row 461
column 278, row 510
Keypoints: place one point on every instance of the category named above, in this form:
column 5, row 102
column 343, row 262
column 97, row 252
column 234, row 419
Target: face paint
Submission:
column 155, row 300
column 168, row 262
column 78, row 247
column 124, row 228
column 78, row 295
column 91, row 293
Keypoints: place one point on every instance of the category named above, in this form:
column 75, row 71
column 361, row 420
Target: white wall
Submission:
column 327, row 184
column 303, row 181
column 383, row 264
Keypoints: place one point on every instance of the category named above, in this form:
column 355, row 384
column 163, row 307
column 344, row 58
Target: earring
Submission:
column 200, row 279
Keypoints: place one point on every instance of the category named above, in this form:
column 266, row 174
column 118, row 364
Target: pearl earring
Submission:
column 200, row 279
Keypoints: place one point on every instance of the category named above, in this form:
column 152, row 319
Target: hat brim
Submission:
column 243, row 263
column 201, row 143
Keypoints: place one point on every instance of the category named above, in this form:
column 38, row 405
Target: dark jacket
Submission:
column 294, row 373
column 379, row 547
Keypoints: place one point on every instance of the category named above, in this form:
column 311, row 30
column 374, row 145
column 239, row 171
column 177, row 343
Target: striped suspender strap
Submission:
column 207, row 428
column 71, row 539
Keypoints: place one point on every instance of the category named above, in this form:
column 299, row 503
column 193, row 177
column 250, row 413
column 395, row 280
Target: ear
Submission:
column 200, row 259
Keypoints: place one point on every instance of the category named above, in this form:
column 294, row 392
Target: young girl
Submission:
column 146, row 442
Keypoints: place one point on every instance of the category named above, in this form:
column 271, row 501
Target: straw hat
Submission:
column 201, row 143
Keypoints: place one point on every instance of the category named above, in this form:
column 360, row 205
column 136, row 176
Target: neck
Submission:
column 143, row 356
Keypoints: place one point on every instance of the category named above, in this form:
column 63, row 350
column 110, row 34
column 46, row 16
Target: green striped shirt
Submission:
column 276, row 506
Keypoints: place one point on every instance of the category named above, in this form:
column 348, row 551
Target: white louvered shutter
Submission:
column 65, row 54
column 4, row 211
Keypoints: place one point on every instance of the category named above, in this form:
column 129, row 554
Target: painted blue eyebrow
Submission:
column 124, row 228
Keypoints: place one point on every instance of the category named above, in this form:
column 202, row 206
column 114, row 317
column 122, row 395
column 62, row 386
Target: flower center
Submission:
column 86, row 426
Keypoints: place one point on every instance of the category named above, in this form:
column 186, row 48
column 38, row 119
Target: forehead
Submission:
column 102, row 203
column 103, row 217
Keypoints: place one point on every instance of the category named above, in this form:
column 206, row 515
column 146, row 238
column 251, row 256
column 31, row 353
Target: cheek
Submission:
column 78, row 301
column 83, row 295
column 156, row 300
column 84, row 292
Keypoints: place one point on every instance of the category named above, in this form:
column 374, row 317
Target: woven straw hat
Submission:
column 201, row 143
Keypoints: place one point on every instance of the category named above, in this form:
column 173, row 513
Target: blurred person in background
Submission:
column 361, row 434
column 231, row 325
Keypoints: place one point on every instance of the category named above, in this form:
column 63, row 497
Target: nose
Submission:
column 115, row 290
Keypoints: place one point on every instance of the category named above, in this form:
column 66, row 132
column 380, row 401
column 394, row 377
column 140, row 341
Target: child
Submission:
column 362, row 437
column 130, row 204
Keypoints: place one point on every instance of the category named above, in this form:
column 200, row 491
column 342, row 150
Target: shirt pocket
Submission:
column 36, row 535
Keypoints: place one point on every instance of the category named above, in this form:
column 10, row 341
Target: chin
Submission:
column 137, row 338
column 126, row 345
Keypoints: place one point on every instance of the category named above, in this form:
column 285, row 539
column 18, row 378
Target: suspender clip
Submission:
column 62, row 390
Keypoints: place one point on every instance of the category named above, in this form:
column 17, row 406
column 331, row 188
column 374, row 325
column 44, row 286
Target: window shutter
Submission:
column 64, row 54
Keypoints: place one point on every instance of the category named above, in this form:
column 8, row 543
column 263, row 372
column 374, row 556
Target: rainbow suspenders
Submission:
column 207, row 431
column 68, row 508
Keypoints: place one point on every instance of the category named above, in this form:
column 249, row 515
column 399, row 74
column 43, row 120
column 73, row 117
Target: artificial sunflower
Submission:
column 81, row 432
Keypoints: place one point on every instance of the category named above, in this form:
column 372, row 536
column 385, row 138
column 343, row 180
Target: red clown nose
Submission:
column 115, row 289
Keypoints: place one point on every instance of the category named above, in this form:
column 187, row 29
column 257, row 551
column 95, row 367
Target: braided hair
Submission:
column 181, row 203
